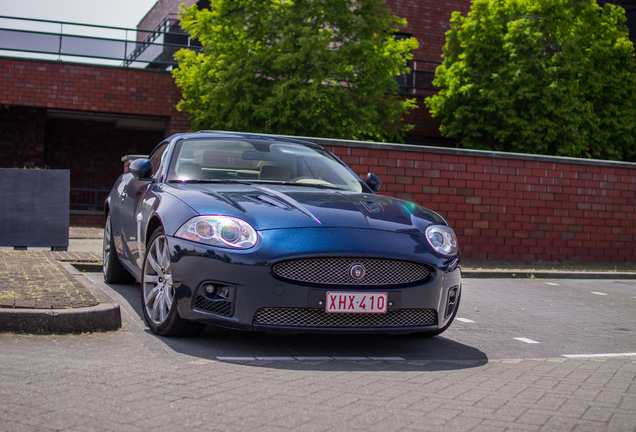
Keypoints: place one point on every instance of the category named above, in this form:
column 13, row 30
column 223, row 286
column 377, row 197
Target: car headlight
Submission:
column 443, row 239
column 221, row 231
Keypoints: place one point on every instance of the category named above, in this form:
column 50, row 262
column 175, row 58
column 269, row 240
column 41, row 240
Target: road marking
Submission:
column 275, row 358
column 236, row 358
column 350, row 358
column 598, row 293
column 201, row 362
column 465, row 320
column 306, row 358
column 552, row 283
column 526, row 340
column 599, row 355
column 387, row 358
column 314, row 358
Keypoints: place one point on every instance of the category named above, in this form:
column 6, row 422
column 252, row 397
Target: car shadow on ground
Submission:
column 320, row 352
column 330, row 352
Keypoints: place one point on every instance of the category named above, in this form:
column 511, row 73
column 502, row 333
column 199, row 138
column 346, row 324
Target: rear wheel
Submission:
column 158, row 293
column 114, row 272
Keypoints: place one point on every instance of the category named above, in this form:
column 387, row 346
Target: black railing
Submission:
column 136, row 48
column 88, row 200
column 168, row 35
column 84, row 43
column 420, row 79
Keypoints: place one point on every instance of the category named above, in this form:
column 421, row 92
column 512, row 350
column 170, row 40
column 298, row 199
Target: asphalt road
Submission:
column 497, row 319
column 509, row 362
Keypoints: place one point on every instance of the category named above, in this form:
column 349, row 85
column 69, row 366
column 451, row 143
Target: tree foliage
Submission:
column 316, row 68
column 539, row 76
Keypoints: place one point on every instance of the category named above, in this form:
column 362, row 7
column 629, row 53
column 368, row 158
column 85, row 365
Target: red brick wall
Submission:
column 512, row 207
column 92, row 151
column 428, row 22
column 87, row 220
column 21, row 137
column 76, row 87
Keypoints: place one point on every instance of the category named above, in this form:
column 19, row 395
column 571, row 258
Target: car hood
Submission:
column 278, row 207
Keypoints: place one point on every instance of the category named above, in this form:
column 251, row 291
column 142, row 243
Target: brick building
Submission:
column 84, row 118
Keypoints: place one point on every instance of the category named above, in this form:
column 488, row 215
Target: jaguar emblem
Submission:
column 357, row 271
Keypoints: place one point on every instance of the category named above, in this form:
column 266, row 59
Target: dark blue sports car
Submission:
column 272, row 234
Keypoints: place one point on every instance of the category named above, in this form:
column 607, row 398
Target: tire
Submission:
column 114, row 272
column 157, row 292
column 430, row 334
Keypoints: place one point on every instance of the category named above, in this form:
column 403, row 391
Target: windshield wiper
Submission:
column 256, row 182
column 286, row 183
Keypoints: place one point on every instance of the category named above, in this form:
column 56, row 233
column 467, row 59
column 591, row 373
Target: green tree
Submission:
column 317, row 68
column 539, row 76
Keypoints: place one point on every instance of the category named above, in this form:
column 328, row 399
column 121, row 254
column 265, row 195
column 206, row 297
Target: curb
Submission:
column 88, row 267
column 526, row 274
column 103, row 317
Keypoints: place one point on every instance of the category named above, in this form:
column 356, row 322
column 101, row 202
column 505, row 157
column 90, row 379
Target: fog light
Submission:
column 209, row 289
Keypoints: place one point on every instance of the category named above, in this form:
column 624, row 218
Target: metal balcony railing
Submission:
column 94, row 44
column 420, row 80
column 88, row 200
column 162, row 42
column 135, row 48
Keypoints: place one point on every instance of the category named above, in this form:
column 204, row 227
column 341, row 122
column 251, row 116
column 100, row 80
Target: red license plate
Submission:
column 356, row 302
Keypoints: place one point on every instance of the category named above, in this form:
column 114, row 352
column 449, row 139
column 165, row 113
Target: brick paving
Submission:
column 110, row 382
column 85, row 233
column 35, row 280
column 131, row 381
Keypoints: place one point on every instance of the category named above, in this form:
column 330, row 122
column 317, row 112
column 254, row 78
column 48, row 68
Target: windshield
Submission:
column 259, row 161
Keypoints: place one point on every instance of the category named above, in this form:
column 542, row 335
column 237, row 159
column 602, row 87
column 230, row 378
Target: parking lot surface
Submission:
column 551, row 355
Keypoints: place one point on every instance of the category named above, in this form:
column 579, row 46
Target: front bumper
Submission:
column 248, row 296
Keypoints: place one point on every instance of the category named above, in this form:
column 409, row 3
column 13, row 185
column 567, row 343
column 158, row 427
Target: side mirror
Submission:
column 374, row 182
column 141, row 169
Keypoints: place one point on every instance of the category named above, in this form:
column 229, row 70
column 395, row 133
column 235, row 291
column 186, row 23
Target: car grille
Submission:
column 294, row 317
column 219, row 307
column 336, row 271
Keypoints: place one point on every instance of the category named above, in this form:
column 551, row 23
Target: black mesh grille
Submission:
column 320, row 318
column 336, row 271
column 220, row 307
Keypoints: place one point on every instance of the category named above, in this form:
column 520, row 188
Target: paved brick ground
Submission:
column 110, row 382
column 35, row 280
column 85, row 233
column 131, row 381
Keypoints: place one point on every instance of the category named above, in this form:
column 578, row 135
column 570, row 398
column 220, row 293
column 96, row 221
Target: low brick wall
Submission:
column 87, row 220
column 513, row 207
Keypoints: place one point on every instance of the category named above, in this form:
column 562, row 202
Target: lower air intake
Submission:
column 319, row 318
column 219, row 307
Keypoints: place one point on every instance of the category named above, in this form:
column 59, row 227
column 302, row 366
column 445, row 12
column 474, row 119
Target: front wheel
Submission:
column 158, row 293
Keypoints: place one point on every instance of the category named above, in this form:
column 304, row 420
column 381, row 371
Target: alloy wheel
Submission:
column 106, row 246
column 158, row 291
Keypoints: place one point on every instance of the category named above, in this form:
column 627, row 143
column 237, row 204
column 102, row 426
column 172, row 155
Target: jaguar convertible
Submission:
column 274, row 234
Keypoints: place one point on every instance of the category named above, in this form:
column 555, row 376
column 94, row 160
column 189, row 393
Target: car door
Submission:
column 132, row 200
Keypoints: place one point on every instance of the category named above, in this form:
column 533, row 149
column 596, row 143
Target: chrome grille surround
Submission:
column 298, row 317
column 336, row 271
